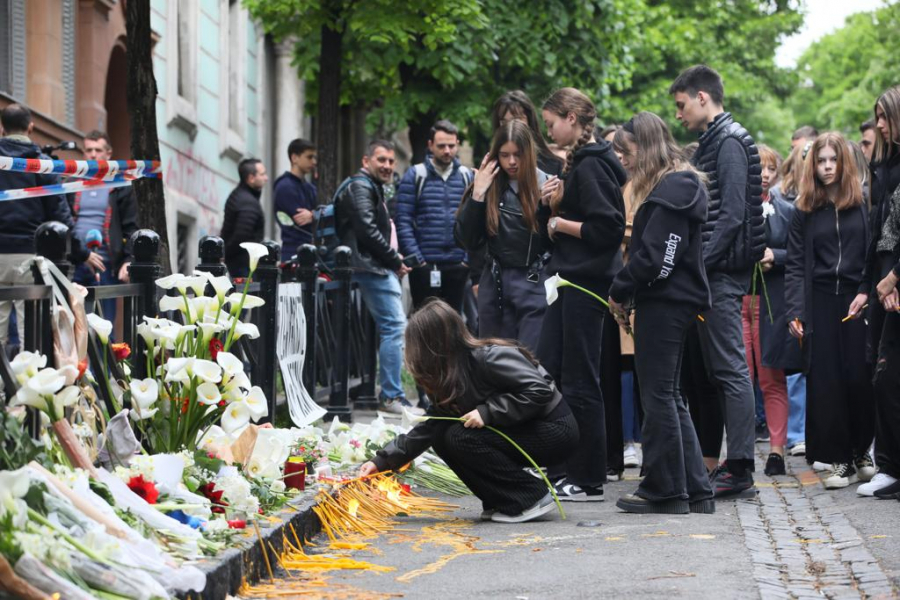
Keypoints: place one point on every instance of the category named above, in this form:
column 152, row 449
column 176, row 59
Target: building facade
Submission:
column 226, row 92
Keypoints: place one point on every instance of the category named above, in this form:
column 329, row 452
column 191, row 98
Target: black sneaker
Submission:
column 635, row 504
column 613, row 475
column 569, row 492
column 775, row 465
column 703, row 507
column 731, row 485
column 762, row 432
column 841, row 476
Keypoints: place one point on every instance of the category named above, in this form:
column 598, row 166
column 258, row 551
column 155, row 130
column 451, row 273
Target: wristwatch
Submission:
column 554, row 222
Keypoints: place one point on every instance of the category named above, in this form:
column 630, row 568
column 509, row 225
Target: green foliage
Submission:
column 17, row 448
column 842, row 74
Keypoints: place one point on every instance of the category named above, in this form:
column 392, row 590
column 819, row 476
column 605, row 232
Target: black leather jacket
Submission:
column 364, row 225
column 506, row 389
column 514, row 245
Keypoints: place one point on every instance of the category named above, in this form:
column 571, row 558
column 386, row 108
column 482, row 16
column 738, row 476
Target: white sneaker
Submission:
column 798, row 449
column 543, row 506
column 842, row 475
column 820, row 466
column 865, row 466
column 881, row 480
column 632, row 459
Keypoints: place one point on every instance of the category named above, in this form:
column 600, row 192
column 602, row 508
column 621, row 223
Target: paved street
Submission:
column 796, row 541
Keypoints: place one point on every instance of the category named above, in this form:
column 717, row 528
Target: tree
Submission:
column 349, row 50
column 141, row 93
column 843, row 73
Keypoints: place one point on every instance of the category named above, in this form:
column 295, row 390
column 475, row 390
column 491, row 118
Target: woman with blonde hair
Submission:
column 825, row 296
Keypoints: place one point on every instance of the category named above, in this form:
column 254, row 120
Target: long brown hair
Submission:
column 529, row 192
column 812, row 192
column 657, row 154
column 439, row 352
column 889, row 102
column 517, row 103
column 791, row 173
column 569, row 100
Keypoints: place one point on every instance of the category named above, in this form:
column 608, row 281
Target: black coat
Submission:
column 364, row 225
column 506, row 388
column 243, row 222
column 779, row 349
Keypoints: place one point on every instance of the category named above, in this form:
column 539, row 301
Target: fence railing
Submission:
column 340, row 367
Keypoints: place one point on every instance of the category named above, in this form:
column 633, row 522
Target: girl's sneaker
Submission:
column 865, row 467
column 632, row 458
column 880, row 481
column 569, row 492
column 842, row 475
column 543, row 506
column 775, row 465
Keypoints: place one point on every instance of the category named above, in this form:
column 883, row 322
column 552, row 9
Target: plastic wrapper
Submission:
column 129, row 583
column 43, row 578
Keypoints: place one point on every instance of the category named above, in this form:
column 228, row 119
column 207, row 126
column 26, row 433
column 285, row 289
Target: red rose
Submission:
column 143, row 488
column 215, row 346
column 121, row 351
column 215, row 496
column 237, row 524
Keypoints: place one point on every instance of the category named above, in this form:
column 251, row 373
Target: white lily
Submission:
column 230, row 363
column 148, row 333
column 551, row 286
column 256, row 402
column 222, row 284
column 183, row 330
column 204, row 305
column 169, row 282
column 101, row 327
column 208, row 330
column 142, row 414
column 250, row 301
column 261, row 468
column 178, row 369
column 236, row 416
column 207, row 370
column 13, row 487
column 256, row 252
column 409, row 420
column 170, row 303
column 144, row 392
column 214, row 437
column 208, row 394
column 28, row 397
column 193, row 283
column 154, row 322
column 47, row 381
column 27, row 364
column 248, row 329
column 234, row 386
column 66, row 397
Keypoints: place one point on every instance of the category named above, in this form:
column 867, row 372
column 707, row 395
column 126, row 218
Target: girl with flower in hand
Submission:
column 483, row 382
column 768, row 345
column 587, row 231
column 507, row 207
column 825, row 294
column 665, row 283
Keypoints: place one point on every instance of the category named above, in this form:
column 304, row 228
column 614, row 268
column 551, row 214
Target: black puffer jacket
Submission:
column 734, row 236
column 514, row 245
column 364, row 225
column 505, row 387
column 21, row 218
column 244, row 222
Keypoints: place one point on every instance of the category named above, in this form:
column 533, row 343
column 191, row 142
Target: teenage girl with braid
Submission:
column 587, row 228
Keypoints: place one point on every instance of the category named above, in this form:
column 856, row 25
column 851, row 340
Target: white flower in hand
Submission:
column 552, row 285
column 101, row 327
column 256, row 252
column 236, row 416
column 409, row 420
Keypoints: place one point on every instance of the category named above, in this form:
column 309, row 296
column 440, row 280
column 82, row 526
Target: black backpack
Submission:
column 325, row 235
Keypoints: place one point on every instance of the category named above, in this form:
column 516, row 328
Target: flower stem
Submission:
column 550, row 487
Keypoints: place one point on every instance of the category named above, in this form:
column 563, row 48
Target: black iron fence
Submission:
column 340, row 367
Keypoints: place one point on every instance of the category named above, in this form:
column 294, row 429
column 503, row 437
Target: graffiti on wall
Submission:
column 193, row 180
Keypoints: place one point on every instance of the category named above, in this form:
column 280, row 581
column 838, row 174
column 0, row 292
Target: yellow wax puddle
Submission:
column 449, row 534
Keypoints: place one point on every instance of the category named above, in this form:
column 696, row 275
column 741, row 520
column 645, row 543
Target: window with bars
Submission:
column 12, row 48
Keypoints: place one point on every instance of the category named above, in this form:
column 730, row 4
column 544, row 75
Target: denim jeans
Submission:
column 796, row 385
column 381, row 293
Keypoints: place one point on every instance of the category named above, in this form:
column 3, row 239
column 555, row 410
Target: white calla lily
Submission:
column 207, row 370
column 169, row 282
column 551, row 287
column 204, row 305
column 256, row 402
column 256, row 252
column 230, row 363
column 13, row 486
column 222, row 285
column 208, row 394
column 194, row 283
column 47, row 382
column 409, row 420
column 27, row 364
column 250, row 301
column 66, row 397
column 209, row 330
column 144, row 392
column 170, row 303
column 178, row 369
column 28, row 397
column 101, row 327
column 142, row 414
column 260, row 468
column 248, row 329
column 236, row 416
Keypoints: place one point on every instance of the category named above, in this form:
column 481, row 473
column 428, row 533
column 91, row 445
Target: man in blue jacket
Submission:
column 428, row 197
column 296, row 197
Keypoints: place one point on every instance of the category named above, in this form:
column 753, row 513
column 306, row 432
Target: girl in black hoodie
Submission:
column 665, row 284
column 587, row 228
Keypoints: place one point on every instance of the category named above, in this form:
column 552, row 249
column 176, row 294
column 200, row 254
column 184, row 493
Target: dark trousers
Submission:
column 887, row 398
column 673, row 463
column 611, row 386
column 570, row 351
column 839, row 405
column 453, row 284
column 493, row 469
column 511, row 307
column 701, row 395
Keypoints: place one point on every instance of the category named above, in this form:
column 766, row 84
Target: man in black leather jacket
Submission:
column 733, row 241
column 364, row 225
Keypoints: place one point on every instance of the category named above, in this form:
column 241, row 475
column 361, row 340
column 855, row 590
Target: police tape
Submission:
column 93, row 174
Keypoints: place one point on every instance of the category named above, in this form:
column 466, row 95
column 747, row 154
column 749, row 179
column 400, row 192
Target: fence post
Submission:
column 364, row 393
column 266, row 274
column 339, row 402
column 144, row 270
column 211, row 253
column 308, row 275
column 51, row 240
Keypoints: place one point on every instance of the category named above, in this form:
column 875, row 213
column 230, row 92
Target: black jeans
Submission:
column 887, row 398
column 570, row 351
column 453, row 284
column 673, row 463
column 702, row 395
column 494, row 470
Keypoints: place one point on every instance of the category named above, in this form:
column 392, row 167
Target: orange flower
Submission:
column 121, row 351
